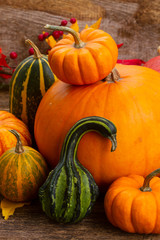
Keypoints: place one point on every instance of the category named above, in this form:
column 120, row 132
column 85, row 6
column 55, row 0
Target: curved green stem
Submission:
column 19, row 147
column 37, row 53
column 78, row 41
column 146, row 187
column 101, row 125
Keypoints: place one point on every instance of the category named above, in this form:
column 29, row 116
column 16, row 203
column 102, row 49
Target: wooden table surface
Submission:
column 30, row 222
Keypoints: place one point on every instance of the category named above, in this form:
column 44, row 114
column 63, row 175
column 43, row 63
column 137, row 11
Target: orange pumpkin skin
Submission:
column 132, row 104
column 7, row 139
column 132, row 210
column 87, row 64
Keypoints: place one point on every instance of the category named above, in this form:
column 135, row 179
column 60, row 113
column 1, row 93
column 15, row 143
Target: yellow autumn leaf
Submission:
column 8, row 207
column 96, row 25
column 86, row 26
column 75, row 26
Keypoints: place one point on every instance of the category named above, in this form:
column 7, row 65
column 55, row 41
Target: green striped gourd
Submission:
column 22, row 171
column 31, row 79
column 70, row 191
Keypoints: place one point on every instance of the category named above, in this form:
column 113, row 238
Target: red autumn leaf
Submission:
column 5, row 75
column 119, row 45
column 131, row 62
column 3, row 62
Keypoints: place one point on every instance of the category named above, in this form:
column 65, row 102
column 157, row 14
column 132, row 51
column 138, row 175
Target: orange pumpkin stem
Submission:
column 78, row 41
column 113, row 76
column 37, row 53
column 19, row 147
column 146, row 187
column 158, row 50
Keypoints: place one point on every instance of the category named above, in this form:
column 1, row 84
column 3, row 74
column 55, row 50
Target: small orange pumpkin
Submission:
column 83, row 58
column 133, row 203
column 7, row 140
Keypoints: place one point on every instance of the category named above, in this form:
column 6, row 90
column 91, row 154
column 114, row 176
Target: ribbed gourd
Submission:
column 70, row 191
column 31, row 79
column 22, row 171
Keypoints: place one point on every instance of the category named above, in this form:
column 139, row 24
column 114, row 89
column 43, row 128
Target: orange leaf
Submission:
column 96, row 24
column 51, row 41
column 9, row 207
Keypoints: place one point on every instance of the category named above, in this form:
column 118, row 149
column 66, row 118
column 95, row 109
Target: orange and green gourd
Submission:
column 31, row 79
column 70, row 191
column 23, row 170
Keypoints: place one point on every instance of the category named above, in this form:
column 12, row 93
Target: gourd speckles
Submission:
column 70, row 191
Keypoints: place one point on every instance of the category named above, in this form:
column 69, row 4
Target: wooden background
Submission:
column 136, row 23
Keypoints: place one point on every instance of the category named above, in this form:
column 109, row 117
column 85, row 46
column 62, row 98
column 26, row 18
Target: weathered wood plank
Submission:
column 30, row 223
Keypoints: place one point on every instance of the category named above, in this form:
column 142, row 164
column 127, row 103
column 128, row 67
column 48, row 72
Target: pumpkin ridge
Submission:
column 134, row 100
column 6, row 187
column 132, row 213
column 80, row 64
column 31, row 174
column 156, row 220
column 61, row 66
column 116, row 197
column 5, row 167
column 90, row 51
column 19, row 175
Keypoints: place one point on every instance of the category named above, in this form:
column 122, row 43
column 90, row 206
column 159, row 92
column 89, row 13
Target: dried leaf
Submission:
column 86, row 26
column 9, row 207
column 96, row 25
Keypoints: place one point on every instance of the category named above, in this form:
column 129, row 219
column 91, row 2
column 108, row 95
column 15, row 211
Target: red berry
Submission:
column 40, row 37
column 73, row 20
column 56, row 34
column 13, row 55
column 60, row 33
column 31, row 51
column 64, row 23
column 45, row 35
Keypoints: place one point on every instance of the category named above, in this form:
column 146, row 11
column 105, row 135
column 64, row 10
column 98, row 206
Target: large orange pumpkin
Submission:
column 132, row 103
column 85, row 58
column 7, row 140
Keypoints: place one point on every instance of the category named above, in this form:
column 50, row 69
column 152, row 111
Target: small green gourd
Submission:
column 70, row 191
